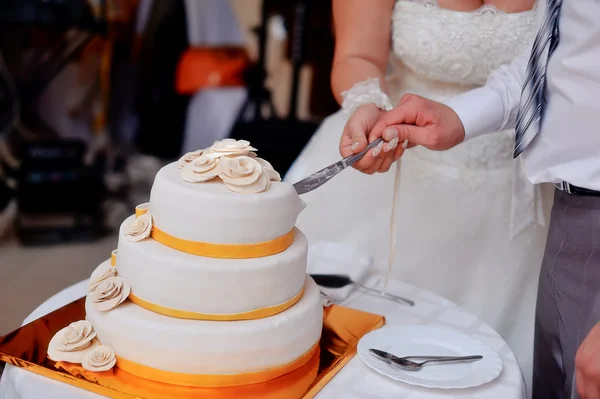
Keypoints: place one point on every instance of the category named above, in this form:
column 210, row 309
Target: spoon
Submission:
column 415, row 366
column 405, row 363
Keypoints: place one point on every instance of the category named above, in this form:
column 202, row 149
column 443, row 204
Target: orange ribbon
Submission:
column 249, row 315
column 224, row 251
column 214, row 380
column 113, row 258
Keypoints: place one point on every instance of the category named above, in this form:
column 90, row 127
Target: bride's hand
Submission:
column 417, row 121
column 355, row 135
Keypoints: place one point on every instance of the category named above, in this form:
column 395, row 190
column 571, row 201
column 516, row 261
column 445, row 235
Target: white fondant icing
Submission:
column 210, row 347
column 174, row 279
column 210, row 212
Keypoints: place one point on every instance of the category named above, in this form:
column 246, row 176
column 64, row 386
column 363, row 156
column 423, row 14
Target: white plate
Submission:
column 431, row 341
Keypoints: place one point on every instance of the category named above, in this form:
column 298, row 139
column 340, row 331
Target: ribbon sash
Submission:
column 224, row 251
column 249, row 315
column 215, row 380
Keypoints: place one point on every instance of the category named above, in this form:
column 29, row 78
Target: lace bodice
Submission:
column 439, row 53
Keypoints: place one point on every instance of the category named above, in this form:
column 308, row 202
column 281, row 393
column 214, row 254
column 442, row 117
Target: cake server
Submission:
column 342, row 280
column 406, row 363
column 321, row 177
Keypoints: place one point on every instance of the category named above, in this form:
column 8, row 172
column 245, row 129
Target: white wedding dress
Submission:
column 469, row 226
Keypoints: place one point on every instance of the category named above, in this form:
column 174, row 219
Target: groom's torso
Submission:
column 568, row 146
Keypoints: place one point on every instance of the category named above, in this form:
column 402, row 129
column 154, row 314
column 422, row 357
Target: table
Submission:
column 355, row 380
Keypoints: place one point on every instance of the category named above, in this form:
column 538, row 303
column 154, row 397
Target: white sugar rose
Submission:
column 189, row 157
column 111, row 293
column 101, row 273
column 72, row 342
column 243, row 175
column 201, row 169
column 231, row 147
column 101, row 358
column 268, row 168
column 263, row 183
column 140, row 229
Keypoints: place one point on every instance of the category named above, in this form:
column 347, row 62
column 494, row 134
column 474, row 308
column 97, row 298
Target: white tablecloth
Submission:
column 355, row 380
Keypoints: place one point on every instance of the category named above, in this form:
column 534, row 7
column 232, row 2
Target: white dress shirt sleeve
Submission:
column 494, row 106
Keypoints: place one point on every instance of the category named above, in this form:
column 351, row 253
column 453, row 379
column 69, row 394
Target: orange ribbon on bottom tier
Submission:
column 124, row 385
column 215, row 380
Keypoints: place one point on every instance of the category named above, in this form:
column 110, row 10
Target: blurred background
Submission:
column 97, row 95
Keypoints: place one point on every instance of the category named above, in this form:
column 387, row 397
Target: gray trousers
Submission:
column 568, row 303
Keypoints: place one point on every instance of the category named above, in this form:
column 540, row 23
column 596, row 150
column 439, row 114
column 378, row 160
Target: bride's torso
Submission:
column 439, row 53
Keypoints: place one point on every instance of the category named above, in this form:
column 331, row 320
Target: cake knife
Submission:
column 342, row 280
column 321, row 177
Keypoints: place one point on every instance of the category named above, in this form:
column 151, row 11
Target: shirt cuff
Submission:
column 480, row 110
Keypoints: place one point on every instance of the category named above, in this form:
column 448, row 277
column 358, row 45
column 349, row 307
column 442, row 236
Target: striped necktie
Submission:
column 533, row 96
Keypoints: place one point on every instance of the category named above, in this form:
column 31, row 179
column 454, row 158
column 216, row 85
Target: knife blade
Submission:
column 321, row 177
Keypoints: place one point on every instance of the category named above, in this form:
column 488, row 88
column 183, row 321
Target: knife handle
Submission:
column 352, row 159
column 332, row 280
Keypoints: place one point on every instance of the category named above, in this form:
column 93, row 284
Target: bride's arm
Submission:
column 362, row 47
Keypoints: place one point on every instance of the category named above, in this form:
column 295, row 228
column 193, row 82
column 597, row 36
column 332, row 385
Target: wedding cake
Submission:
column 208, row 285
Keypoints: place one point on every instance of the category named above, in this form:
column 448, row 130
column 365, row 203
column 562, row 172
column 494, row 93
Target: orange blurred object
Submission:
column 201, row 67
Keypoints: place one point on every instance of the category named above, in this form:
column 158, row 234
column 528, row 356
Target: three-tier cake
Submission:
column 208, row 286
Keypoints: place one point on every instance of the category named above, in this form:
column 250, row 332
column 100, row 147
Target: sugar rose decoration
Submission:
column 244, row 175
column 201, row 169
column 268, row 168
column 100, row 358
column 231, row 147
column 103, row 272
column 232, row 161
column 111, row 293
column 73, row 342
column 140, row 228
column 189, row 157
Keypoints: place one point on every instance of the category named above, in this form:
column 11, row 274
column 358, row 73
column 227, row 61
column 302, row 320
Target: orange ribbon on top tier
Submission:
column 216, row 380
column 224, row 251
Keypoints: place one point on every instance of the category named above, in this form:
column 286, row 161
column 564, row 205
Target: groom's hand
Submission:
column 418, row 121
column 587, row 366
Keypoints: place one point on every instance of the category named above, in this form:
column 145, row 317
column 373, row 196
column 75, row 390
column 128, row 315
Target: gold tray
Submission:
column 342, row 329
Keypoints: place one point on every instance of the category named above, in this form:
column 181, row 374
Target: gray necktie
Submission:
column 533, row 96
